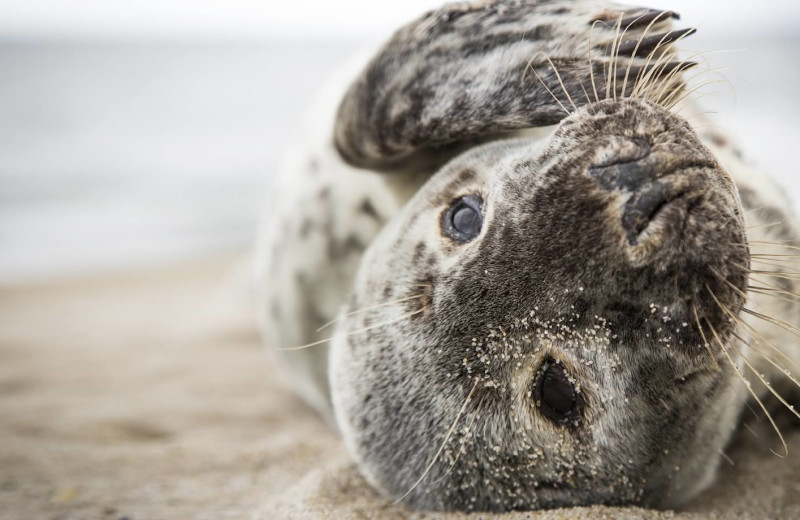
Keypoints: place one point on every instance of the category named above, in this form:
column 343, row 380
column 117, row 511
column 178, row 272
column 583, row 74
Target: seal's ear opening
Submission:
column 473, row 70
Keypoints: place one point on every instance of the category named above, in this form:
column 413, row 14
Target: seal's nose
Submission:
column 645, row 179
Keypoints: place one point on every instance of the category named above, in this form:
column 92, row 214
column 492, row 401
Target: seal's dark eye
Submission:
column 463, row 221
column 556, row 395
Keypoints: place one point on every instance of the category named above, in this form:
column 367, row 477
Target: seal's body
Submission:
column 540, row 276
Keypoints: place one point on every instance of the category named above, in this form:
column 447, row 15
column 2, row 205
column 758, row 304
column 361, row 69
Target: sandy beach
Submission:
column 148, row 395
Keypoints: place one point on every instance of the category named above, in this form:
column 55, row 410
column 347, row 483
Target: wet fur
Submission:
column 424, row 323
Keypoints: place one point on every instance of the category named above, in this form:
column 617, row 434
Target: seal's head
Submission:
column 542, row 324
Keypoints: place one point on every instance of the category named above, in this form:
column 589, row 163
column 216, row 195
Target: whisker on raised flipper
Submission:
column 529, row 66
column 636, row 47
column 591, row 65
column 561, row 82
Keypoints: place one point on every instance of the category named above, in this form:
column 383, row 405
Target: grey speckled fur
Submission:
column 438, row 344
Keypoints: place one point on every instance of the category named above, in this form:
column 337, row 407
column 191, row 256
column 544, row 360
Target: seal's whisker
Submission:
column 690, row 102
column 783, row 370
column 778, row 323
column 591, row 65
column 771, row 293
column 467, row 431
column 752, row 329
column 727, row 458
column 531, row 67
column 561, row 82
column 585, row 93
column 761, row 276
column 747, row 426
column 691, row 91
column 660, row 68
column 703, row 127
column 697, row 59
column 766, row 383
column 783, row 244
column 763, row 256
column 617, row 55
column 766, row 288
column 748, row 385
column 677, row 96
column 663, row 65
column 757, row 208
column 769, row 224
column 761, row 340
column 705, row 341
column 370, row 307
column 358, row 331
column 753, row 369
column 775, row 264
column 444, row 442
column 652, row 73
column 612, row 69
column 777, row 258
column 777, row 274
column 780, row 263
column 636, row 48
column 717, row 71
column 660, row 99
column 771, row 287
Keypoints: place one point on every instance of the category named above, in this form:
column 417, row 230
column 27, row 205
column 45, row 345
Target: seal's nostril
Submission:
column 643, row 205
column 625, row 175
column 626, row 166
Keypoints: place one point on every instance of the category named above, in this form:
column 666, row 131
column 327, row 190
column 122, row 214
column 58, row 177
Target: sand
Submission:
column 148, row 395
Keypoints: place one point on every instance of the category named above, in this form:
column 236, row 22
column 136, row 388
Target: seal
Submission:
column 516, row 277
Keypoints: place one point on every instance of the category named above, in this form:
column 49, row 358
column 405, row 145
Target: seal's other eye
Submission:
column 463, row 220
column 556, row 395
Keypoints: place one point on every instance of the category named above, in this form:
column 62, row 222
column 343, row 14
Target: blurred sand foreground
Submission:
column 146, row 396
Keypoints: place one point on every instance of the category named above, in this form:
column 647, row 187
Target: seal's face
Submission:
column 538, row 327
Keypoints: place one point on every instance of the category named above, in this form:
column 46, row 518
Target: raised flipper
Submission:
column 470, row 71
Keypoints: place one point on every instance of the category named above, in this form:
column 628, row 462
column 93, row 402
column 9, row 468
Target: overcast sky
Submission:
column 313, row 19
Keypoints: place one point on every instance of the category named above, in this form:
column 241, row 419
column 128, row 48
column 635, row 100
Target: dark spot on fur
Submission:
column 306, row 227
column 717, row 139
column 424, row 289
column 275, row 308
column 493, row 41
column 368, row 209
column 324, row 194
column 419, row 251
column 433, row 260
column 723, row 142
column 338, row 249
column 311, row 314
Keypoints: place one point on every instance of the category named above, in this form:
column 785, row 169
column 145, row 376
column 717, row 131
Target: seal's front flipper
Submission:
column 472, row 70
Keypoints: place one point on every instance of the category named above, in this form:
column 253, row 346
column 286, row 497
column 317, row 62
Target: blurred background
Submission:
column 146, row 132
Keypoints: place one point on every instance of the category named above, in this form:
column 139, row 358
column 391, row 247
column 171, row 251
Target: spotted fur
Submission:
column 617, row 239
